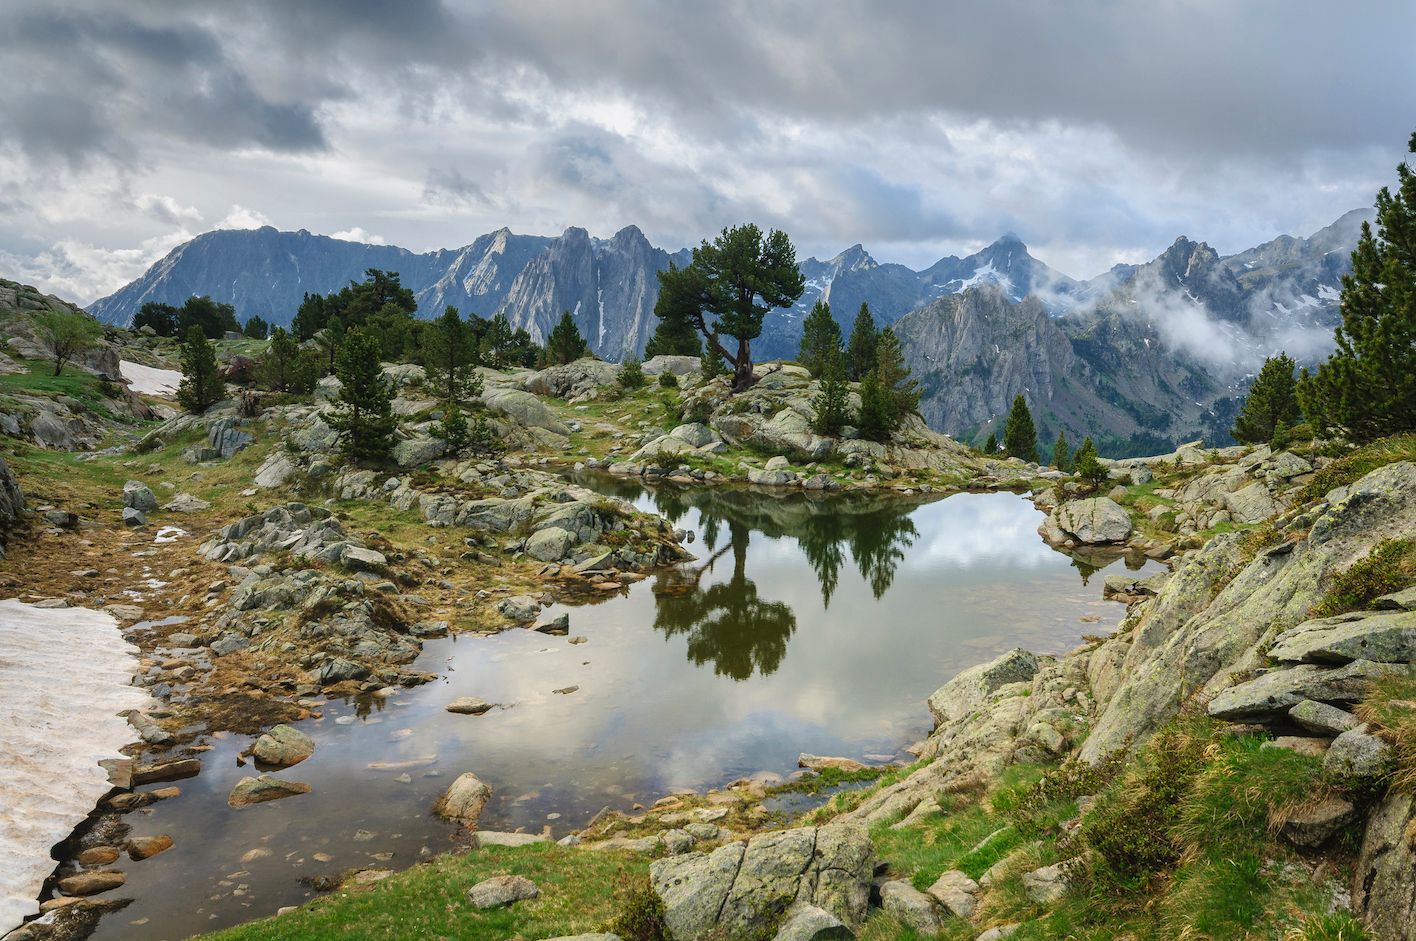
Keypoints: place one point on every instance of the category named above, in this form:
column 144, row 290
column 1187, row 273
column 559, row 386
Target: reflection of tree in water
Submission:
column 878, row 544
column 726, row 623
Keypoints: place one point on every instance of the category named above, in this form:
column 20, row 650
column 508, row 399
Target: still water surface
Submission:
column 816, row 625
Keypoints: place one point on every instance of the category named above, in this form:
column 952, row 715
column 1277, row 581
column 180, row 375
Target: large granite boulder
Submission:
column 1095, row 521
column 524, row 409
column 965, row 692
column 1387, row 637
column 1384, row 883
column 744, row 888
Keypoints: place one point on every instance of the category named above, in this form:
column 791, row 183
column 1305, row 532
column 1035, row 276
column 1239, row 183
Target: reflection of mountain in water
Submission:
column 728, row 622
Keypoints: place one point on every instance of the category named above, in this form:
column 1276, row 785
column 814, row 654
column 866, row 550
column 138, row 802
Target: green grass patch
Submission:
column 430, row 901
column 1357, row 464
column 1389, row 567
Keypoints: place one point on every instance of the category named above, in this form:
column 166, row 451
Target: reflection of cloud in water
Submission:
column 968, row 530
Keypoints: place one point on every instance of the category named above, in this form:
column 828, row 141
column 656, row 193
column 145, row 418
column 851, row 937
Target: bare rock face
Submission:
column 12, row 503
column 741, row 888
column 464, row 800
column 1384, row 884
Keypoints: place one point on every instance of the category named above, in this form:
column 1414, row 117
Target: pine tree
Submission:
column 277, row 365
column 894, row 376
column 820, row 339
column 860, row 351
column 676, row 334
column 1086, row 466
column 990, row 444
column 832, row 403
column 1061, row 458
column 449, row 359
column 877, row 409
column 256, row 328
column 1020, row 436
column 565, row 344
column 201, row 386
column 711, row 364
column 363, row 414
column 1367, row 388
column 1272, row 398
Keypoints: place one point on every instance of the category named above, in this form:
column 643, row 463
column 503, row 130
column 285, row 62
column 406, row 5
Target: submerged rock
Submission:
column 259, row 790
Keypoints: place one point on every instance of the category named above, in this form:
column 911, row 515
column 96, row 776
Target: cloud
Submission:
column 916, row 128
column 166, row 209
column 83, row 272
column 242, row 218
column 357, row 234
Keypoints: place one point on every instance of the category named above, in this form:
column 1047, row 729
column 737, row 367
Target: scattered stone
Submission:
column 809, row 923
column 500, row 891
column 139, row 496
column 820, row 762
column 1357, row 755
column 559, row 625
column 144, row 847
column 468, row 706
column 98, row 856
column 362, row 559
column 1311, row 827
column 170, row 770
column 911, row 906
column 998, row 933
column 1321, row 719
column 132, row 517
column 264, row 788
column 186, row 503
column 91, row 883
column 1047, row 884
column 495, row 838
column 956, row 892
column 464, row 800
column 283, row 746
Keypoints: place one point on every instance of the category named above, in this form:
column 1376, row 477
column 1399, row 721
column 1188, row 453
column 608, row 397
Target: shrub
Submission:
column 668, row 380
column 631, row 374
column 640, row 911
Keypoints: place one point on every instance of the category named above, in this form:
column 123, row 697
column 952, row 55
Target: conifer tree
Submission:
column 1061, row 458
column 676, row 334
column 565, row 344
column 201, row 386
column 1367, row 388
column 877, row 409
column 450, row 358
column 860, row 351
column 820, row 339
column 832, row 404
column 711, row 364
column 1272, row 398
column 990, row 444
column 1086, row 466
column 1020, row 436
column 894, row 376
column 277, row 365
column 363, row 414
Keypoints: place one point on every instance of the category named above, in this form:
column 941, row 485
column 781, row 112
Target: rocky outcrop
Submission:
column 12, row 504
column 744, row 888
column 1190, row 641
column 1384, row 883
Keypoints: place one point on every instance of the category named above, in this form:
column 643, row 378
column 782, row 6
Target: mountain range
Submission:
column 1140, row 357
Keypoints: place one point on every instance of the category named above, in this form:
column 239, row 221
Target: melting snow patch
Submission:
column 65, row 674
column 169, row 534
column 146, row 380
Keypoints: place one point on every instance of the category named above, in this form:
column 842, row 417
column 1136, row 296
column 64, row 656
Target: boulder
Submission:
column 91, row 883
column 558, row 625
column 500, row 891
column 186, row 503
column 362, row 559
column 264, row 788
column 1047, row 884
column 771, row 478
column 145, row 847
column 1384, row 883
column 966, row 691
column 519, row 608
column 956, row 892
column 809, row 923
column 1386, row 637
column 274, row 471
column 1095, row 521
column 742, row 888
column 139, row 496
column 1321, row 719
column 1313, row 826
column 821, row 762
column 133, row 517
column 1251, row 504
column 283, row 746
column 695, row 434
column 911, row 906
column 524, row 408
column 469, row 706
column 464, row 800
column 550, row 544
column 676, row 365
column 225, row 437
column 1358, row 756
column 415, row 452
column 1274, row 693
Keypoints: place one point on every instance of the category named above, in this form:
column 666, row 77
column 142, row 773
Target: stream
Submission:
column 807, row 624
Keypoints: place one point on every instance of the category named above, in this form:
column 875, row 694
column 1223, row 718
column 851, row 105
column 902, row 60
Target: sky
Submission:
column 1097, row 132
